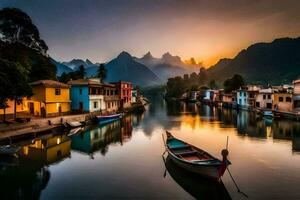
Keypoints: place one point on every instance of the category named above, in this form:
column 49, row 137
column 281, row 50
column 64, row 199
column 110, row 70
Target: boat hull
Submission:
column 205, row 170
column 108, row 119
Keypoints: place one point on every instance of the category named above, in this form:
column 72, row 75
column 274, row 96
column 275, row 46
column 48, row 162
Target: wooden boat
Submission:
column 194, row 159
column 104, row 119
column 196, row 185
column 9, row 150
column 74, row 124
column 267, row 113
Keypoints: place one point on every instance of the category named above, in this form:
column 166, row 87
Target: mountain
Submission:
column 165, row 67
column 60, row 68
column 75, row 63
column 124, row 67
column 276, row 62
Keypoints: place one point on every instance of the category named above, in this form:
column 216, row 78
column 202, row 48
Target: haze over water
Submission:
column 124, row 159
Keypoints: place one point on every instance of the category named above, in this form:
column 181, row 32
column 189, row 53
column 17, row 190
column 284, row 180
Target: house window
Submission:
column 288, row 99
column 80, row 91
column 108, row 105
column 57, row 91
column 269, row 96
column 280, row 99
column 95, row 104
column 257, row 104
column 93, row 90
column 111, row 92
column 264, row 96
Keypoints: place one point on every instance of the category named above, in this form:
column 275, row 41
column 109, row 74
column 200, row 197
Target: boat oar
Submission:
column 233, row 180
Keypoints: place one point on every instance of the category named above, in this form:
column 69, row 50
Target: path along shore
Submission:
column 37, row 125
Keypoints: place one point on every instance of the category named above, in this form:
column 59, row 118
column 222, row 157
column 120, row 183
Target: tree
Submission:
column 212, row 84
column 81, row 71
column 14, row 83
column 17, row 26
column 234, row 83
column 202, row 76
column 102, row 72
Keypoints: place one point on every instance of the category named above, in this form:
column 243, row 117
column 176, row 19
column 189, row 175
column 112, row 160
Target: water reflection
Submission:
column 246, row 123
column 100, row 137
column 55, row 166
column 197, row 186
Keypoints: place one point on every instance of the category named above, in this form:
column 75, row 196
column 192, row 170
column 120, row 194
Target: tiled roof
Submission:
column 50, row 83
column 84, row 82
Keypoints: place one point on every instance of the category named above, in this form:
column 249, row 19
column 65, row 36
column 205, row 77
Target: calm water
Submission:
column 123, row 160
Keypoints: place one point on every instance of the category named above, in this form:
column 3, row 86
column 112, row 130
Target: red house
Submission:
column 125, row 93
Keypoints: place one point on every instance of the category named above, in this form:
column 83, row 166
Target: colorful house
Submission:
column 227, row 100
column 265, row 99
column 111, row 98
column 296, row 95
column 87, row 95
column 21, row 109
column 50, row 98
column 283, row 101
column 134, row 96
column 125, row 93
column 246, row 96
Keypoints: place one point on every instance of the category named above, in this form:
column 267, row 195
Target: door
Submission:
column 31, row 108
column 80, row 106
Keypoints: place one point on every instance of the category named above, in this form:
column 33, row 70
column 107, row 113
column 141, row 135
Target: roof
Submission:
column 84, row 82
column 50, row 84
column 296, row 81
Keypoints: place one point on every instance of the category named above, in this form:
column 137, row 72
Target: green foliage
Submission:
column 13, row 81
column 102, row 72
column 212, row 84
column 79, row 74
column 178, row 85
column 81, row 71
column 38, row 65
column 233, row 83
column 16, row 26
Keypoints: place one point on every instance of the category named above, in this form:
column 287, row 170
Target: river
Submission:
column 123, row 160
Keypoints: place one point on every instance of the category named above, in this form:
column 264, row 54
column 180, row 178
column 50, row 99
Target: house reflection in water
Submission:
column 101, row 137
column 48, row 150
column 26, row 176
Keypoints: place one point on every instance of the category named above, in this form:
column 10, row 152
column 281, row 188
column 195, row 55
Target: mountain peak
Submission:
column 167, row 57
column 124, row 55
column 148, row 55
column 89, row 62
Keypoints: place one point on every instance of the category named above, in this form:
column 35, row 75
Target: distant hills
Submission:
column 144, row 71
column 276, row 62
column 167, row 66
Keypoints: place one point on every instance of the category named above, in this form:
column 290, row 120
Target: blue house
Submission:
column 87, row 95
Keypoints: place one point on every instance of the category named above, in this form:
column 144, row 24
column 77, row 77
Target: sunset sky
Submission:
column 204, row 29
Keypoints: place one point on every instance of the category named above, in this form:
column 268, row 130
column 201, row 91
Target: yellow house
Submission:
column 21, row 109
column 50, row 98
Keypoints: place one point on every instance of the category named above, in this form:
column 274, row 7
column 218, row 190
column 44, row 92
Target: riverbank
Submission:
column 41, row 125
column 37, row 125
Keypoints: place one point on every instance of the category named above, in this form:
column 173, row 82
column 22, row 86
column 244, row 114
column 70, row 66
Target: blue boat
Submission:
column 105, row 119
